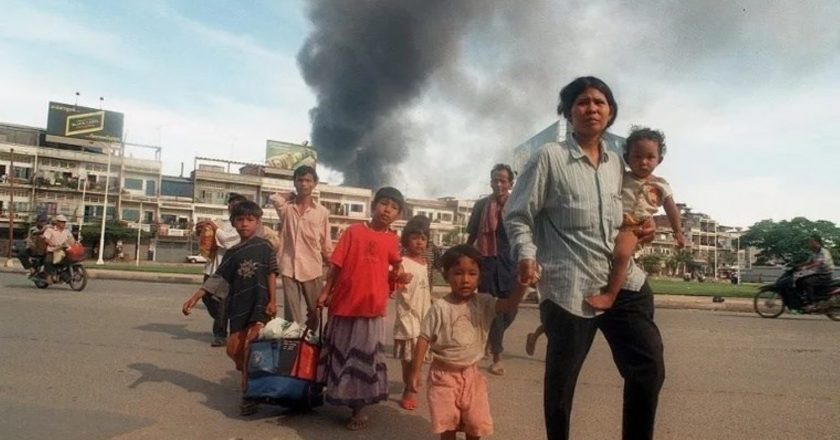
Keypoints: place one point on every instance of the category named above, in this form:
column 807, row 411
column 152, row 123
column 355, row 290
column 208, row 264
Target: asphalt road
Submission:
column 119, row 361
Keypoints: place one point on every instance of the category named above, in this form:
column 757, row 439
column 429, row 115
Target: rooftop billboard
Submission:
column 289, row 156
column 73, row 121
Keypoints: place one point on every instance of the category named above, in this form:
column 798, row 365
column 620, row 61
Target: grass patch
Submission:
column 670, row 286
column 666, row 286
column 151, row 268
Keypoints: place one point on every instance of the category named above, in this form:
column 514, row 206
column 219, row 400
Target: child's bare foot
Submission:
column 600, row 302
column 358, row 422
column 497, row 368
column 531, row 343
column 409, row 400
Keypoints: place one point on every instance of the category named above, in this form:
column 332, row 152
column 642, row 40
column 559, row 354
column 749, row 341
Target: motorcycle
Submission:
column 70, row 271
column 770, row 302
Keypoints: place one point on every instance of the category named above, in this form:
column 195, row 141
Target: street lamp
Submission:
column 100, row 261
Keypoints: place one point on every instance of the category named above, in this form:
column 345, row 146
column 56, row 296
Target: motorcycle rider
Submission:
column 35, row 245
column 821, row 266
column 58, row 238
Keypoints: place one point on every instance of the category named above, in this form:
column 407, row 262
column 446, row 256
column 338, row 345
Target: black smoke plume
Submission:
column 366, row 61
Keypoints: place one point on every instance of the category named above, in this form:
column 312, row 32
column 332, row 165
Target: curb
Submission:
column 662, row 301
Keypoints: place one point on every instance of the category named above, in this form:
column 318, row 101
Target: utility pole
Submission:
column 100, row 261
column 11, row 177
column 139, row 229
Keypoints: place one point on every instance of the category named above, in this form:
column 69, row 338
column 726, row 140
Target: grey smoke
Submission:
column 498, row 66
column 367, row 61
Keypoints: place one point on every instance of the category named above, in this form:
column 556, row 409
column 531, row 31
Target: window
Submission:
column 131, row 215
column 355, row 207
column 151, row 188
column 22, row 173
column 135, row 184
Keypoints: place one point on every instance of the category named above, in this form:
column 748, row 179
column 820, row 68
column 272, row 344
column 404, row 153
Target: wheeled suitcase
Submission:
column 275, row 377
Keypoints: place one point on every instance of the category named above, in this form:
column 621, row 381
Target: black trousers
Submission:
column 637, row 352
column 216, row 310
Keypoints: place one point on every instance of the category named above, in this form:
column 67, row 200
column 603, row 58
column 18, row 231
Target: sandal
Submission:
column 531, row 343
column 357, row 423
column 247, row 408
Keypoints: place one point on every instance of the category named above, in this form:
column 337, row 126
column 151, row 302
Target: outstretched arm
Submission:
column 186, row 309
column 511, row 303
column 417, row 359
column 673, row 214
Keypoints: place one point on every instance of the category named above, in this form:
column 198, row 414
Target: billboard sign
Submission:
column 288, row 156
column 73, row 121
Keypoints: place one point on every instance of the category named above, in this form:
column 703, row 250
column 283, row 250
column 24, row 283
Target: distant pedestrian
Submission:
column 486, row 231
column 455, row 331
column 365, row 263
column 250, row 271
column 305, row 244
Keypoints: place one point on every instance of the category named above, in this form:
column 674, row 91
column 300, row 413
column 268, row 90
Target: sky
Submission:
column 746, row 92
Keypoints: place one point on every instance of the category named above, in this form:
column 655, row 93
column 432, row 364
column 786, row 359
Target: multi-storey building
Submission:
column 70, row 179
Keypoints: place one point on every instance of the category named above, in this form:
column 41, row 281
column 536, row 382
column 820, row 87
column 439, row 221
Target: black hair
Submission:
column 571, row 91
column 246, row 208
column 641, row 134
column 502, row 167
column 236, row 198
column 419, row 224
column 304, row 170
column 390, row 193
column 455, row 253
column 817, row 238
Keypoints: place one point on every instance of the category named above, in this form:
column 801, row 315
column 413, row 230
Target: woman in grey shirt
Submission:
column 565, row 212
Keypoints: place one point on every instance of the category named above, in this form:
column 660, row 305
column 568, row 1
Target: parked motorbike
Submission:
column 769, row 301
column 70, row 271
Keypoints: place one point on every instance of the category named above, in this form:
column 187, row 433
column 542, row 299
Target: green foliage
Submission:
column 113, row 231
column 786, row 241
column 652, row 263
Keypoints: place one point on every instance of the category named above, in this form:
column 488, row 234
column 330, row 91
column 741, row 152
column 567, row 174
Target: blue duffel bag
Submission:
column 269, row 366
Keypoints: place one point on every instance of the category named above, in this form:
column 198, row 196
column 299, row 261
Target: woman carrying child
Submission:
column 364, row 264
column 412, row 300
column 455, row 332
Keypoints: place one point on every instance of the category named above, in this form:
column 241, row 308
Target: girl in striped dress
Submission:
column 363, row 267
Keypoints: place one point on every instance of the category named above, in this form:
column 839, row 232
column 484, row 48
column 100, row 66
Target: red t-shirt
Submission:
column 365, row 257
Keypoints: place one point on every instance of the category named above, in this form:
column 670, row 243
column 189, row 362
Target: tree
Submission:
column 683, row 259
column 652, row 263
column 113, row 231
column 786, row 241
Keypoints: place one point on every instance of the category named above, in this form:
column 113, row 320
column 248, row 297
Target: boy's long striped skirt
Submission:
column 352, row 361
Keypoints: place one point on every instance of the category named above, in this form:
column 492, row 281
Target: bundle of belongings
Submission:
column 282, row 366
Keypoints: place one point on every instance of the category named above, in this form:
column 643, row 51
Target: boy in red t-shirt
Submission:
column 363, row 265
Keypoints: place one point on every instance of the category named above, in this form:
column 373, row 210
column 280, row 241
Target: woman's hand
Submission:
column 528, row 272
column 271, row 309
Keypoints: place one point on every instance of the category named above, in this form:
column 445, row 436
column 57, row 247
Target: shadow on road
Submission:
column 218, row 396
column 387, row 420
column 177, row 331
